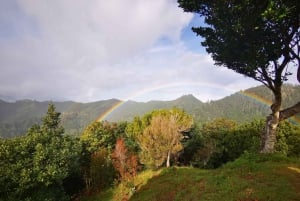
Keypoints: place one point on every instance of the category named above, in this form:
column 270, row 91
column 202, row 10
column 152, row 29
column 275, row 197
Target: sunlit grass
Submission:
column 124, row 190
column 249, row 178
column 294, row 169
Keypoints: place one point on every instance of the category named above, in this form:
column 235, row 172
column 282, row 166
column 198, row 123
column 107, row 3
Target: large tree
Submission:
column 256, row 38
column 35, row 166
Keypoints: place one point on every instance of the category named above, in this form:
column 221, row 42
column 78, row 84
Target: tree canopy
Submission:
column 34, row 167
column 255, row 38
column 259, row 39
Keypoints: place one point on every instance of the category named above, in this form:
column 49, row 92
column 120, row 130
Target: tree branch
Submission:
column 269, row 80
column 289, row 112
column 298, row 74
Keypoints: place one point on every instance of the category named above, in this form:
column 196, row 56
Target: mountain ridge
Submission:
column 16, row 117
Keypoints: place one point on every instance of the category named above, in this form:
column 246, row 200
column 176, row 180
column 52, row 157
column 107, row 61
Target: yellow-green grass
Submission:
column 250, row 178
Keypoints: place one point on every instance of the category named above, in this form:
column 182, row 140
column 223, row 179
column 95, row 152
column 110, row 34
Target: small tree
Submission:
column 51, row 123
column 124, row 162
column 163, row 136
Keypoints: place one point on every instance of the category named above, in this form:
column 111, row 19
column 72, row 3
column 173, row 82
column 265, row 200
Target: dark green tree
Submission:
column 102, row 135
column 256, row 38
column 35, row 166
column 99, row 139
column 51, row 123
column 212, row 153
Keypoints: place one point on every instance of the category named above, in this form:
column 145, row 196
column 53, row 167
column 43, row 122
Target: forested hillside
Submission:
column 239, row 106
column 17, row 117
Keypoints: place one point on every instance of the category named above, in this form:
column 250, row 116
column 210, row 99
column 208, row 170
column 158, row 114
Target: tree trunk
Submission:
column 268, row 138
column 269, row 135
column 168, row 159
column 298, row 72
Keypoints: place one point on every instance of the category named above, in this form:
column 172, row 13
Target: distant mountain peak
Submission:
column 188, row 97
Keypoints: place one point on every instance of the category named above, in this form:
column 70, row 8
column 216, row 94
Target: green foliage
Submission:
column 17, row 117
column 222, row 140
column 102, row 134
column 99, row 140
column 136, row 128
column 293, row 141
column 37, row 164
column 193, row 141
column 45, row 164
column 49, row 193
column 288, row 138
column 101, row 173
column 215, row 143
column 258, row 39
column 250, row 36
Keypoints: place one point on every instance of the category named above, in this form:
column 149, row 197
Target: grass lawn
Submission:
column 250, row 178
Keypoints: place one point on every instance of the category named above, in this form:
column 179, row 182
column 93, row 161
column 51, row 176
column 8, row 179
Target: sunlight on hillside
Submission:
column 294, row 169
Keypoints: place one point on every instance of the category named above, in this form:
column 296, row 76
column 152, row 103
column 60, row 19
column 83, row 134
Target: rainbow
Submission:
column 256, row 97
column 265, row 101
column 110, row 110
column 156, row 88
column 201, row 84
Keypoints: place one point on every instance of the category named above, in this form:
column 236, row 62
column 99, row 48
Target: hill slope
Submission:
column 17, row 117
column 249, row 178
column 130, row 109
column 241, row 106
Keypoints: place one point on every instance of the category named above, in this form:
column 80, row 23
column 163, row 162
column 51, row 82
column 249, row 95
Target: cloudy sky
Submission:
column 98, row 49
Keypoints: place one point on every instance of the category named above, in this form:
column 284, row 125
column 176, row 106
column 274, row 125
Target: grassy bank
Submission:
column 250, row 178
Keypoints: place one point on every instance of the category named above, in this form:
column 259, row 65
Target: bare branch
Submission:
column 289, row 112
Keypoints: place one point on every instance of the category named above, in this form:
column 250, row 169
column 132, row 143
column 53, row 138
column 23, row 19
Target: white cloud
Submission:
column 105, row 30
column 96, row 49
column 69, row 48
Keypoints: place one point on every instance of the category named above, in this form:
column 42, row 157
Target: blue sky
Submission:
column 95, row 50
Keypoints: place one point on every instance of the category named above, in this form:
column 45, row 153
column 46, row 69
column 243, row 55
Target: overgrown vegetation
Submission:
column 39, row 165
column 106, row 163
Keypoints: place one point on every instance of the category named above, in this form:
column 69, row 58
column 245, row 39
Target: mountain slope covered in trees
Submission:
column 17, row 117
column 241, row 106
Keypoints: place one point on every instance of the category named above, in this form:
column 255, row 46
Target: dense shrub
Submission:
column 102, row 173
column 220, row 141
